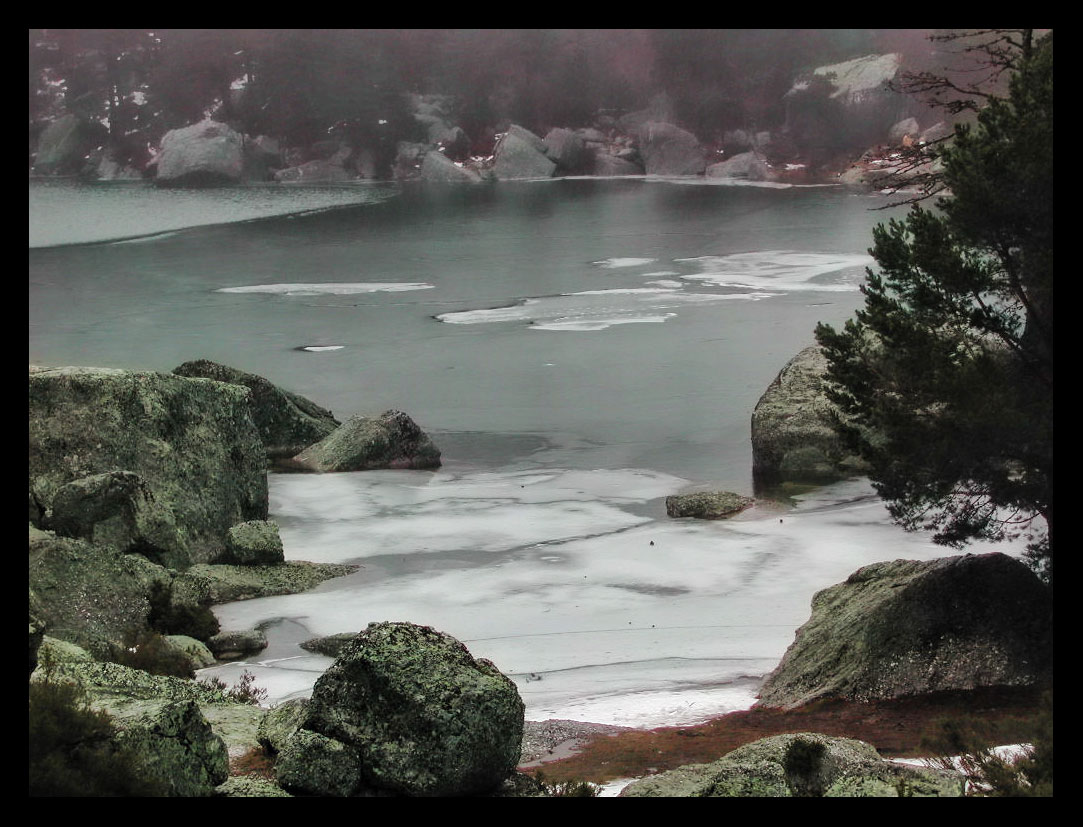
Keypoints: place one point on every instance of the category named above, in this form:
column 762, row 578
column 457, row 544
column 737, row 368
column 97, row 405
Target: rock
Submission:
column 707, row 505
column 314, row 764
column 254, row 543
column 908, row 127
column 392, row 440
column 909, row 627
column 287, row 422
column 936, row 132
column 425, row 718
column 249, row 786
column 280, row 723
column 330, row 645
column 800, row 765
column 204, row 154
column 195, row 650
column 610, row 165
column 92, row 595
column 438, row 167
column 521, row 154
column 234, row 645
column 737, row 141
column 567, row 150
column 451, row 140
column 748, row 165
column 111, row 169
column 669, row 150
column 793, row 438
column 65, row 145
column 38, row 627
column 192, row 441
column 118, row 509
column 175, row 745
column 223, row 583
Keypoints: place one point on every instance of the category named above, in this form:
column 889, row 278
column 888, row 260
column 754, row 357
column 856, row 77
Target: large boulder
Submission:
column 287, row 422
column 191, row 441
column 909, row 627
column 606, row 164
column 118, row 508
column 207, row 153
column 92, row 595
column 669, row 150
column 176, row 746
column 254, row 543
column 793, row 434
column 423, row 717
column 567, row 150
column 392, row 440
column 521, row 154
column 799, row 765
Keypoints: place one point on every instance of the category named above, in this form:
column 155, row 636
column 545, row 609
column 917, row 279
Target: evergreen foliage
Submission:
column 945, row 377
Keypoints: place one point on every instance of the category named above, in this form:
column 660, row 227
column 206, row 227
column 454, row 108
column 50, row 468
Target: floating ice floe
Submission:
column 320, row 348
column 329, row 288
column 779, row 270
column 614, row 263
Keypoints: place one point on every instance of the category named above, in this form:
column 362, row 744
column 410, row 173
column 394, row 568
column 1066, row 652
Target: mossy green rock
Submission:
column 793, row 435
column 911, row 627
column 287, row 422
column 174, row 745
column 707, row 505
column 254, row 543
column 88, row 594
column 223, row 583
column 802, row 765
column 280, row 722
column 314, row 764
column 192, row 441
column 392, row 440
column 425, row 717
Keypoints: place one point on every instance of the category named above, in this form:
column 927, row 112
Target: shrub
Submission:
column 568, row 789
column 72, row 749
column 244, row 691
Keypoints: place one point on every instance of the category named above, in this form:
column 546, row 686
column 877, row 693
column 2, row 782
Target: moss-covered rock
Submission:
column 287, row 422
column 91, row 595
column 233, row 645
column 707, row 505
column 910, row 627
column 425, row 717
column 793, row 437
column 254, row 543
column 192, row 441
column 392, row 440
column 247, row 786
column 803, row 765
column 314, row 764
column 280, row 722
column 222, row 583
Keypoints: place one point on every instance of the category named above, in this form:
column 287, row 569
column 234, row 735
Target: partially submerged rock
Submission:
column 392, row 440
column 793, row 434
column 910, row 627
column 669, row 150
column 438, row 167
column 233, row 645
column 521, row 154
column 254, row 543
column 421, row 716
column 800, row 765
column 287, row 422
column 207, row 153
column 707, row 505
column 221, row 583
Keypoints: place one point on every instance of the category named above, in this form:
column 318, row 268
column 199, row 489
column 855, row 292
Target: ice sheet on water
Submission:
column 614, row 263
column 780, row 270
column 329, row 288
column 596, row 309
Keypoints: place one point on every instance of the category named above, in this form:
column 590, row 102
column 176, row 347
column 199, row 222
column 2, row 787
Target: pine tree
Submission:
column 945, row 377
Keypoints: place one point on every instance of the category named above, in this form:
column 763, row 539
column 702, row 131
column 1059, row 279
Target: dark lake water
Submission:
column 578, row 349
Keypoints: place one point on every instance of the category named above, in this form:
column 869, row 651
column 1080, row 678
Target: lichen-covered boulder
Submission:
column 793, row 435
column 392, row 440
column 669, row 150
column 118, row 508
column 92, row 595
column 254, row 543
column 204, row 154
column 750, row 166
column 174, row 744
column 425, row 717
column 205, row 583
column 192, row 441
column 567, row 150
column 911, row 627
column 287, row 422
column 310, row 763
column 65, row 144
column 799, row 765
column 707, row 505
column 521, row 154
column 280, row 722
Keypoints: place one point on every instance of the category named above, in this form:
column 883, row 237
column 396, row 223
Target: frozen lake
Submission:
column 578, row 349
